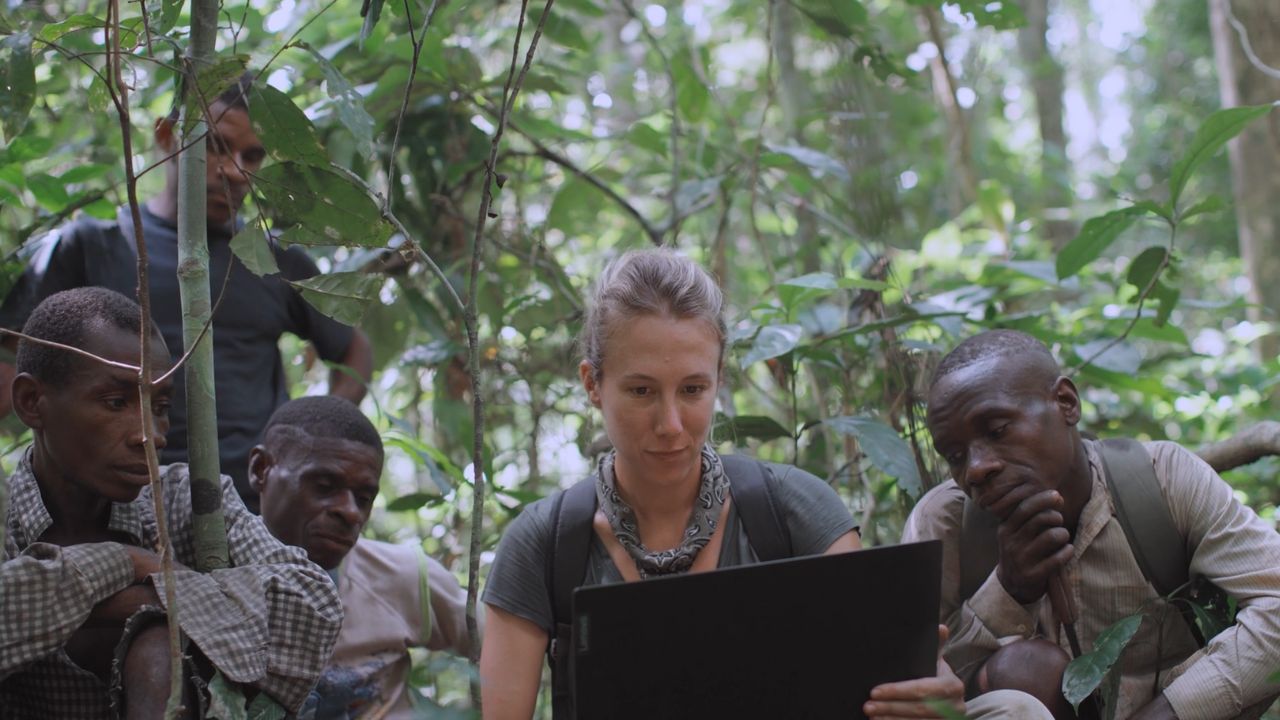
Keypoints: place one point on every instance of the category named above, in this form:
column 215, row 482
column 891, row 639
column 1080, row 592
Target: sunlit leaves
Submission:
column 1216, row 130
column 342, row 296
column 1086, row 672
column 884, row 447
column 17, row 83
column 324, row 203
column 284, row 130
column 772, row 341
column 1095, row 237
column 348, row 103
column 254, row 250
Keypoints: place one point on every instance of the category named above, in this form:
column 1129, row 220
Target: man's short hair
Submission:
column 990, row 344
column 67, row 317
column 236, row 96
column 325, row 416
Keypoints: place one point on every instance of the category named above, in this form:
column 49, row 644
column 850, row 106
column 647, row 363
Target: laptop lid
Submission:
column 800, row 638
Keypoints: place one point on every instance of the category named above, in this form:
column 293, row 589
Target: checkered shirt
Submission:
column 269, row 621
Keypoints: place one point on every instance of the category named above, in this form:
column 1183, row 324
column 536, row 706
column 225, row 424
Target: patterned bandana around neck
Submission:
column 712, row 491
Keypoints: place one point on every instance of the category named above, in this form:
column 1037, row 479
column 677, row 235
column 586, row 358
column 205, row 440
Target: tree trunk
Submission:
column 944, row 89
column 193, row 283
column 1249, row 75
column 1045, row 74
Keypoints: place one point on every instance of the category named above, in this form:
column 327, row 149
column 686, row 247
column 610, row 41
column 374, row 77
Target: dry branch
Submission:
column 1247, row 446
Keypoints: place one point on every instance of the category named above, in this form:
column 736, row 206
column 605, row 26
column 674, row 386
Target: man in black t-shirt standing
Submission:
column 253, row 314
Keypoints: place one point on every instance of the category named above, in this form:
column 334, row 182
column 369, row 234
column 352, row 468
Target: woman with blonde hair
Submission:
column 653, row 346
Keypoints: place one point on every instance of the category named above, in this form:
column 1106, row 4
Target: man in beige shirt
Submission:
column 317, row 470
column 1004, row 418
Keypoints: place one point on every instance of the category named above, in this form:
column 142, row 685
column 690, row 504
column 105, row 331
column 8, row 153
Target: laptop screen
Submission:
column 800, row 638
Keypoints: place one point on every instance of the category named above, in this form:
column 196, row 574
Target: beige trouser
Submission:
column 1006, row 704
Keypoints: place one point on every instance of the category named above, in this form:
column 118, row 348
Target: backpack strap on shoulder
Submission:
column 1159, row 548
column 765, row 527
column 979, row 551
column 572, row 517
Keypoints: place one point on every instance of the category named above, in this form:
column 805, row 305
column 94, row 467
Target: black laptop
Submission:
column 801, row 638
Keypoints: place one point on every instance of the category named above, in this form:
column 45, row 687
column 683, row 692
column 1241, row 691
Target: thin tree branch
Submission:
column 1247, row 46
column 674, row 107
column 417, row 40
column 63, row 214
column 510, row 91
column 120, row 97
column 770, row 89
column 1249, row 445
column 1142, row 299
column 70, row 349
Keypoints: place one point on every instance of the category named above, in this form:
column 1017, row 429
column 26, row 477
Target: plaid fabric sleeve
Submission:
column 47, row 592
column 270, row 620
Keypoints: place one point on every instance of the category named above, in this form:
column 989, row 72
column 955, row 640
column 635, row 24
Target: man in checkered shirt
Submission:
column 83, row 621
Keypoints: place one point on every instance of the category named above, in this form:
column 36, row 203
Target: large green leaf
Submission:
column 760, row 427
column 226, row 701
column 323, row 202
column 55, row 31
column 772, row 341
column 1085, row 673
column 285, row 131
column 797, row 291
column 884, row 447
column 692, row 97
column 17, row 83
column 342, row 296
column 264, row 708
column 211, row 82
column 48, row 191
column 1120, row 358
column 819, row 163
column 1095, row 237
column 842, row 18
column 164, row 15
column 348, row 102
column 254, row 250
column 1217, row 129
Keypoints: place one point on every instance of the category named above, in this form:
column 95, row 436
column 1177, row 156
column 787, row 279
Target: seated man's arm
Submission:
column 270, row 620
column 48, row 592
column 448, row 607
column 976, row 624
column 1237, row 551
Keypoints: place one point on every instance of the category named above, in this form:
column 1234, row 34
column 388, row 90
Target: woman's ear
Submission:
column 588, row 375
column 27, row 393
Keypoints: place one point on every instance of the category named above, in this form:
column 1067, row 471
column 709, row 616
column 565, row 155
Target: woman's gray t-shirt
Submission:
column 814, row 514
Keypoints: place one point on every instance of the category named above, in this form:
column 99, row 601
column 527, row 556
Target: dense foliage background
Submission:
column 871, row 181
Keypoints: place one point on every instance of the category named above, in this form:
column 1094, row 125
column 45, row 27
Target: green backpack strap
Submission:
column 1159, row 548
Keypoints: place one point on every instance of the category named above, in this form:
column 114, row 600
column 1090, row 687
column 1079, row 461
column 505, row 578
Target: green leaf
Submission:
column 842, row 18
column 692, row 97
column 211, row 82
column 17, row 83
column 226, row 701
column 1143, row 268
column 349, row 103
column 884, row 447
column 1217, row 129
column 1085, row 673
column 165, row 16
column 372, row 12
column 325, row 203
column 414, row 501
column 759, row 427
column 561, row 29
column 772, row 341
column 820, row 164
column 285, row 131
column 797, row 291
column 693, row 193
column 1211, row 204
column 254, row 250
column 54, row 31
column 1095, row 237
column 81, row 173
column 1168, row 298
column 264, row 708
column 49, row 191
column 341, row 296
column 645, row 137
